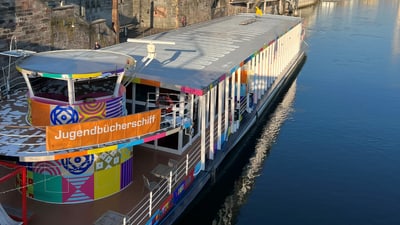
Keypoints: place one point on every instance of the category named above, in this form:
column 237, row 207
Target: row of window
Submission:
column 55, row 89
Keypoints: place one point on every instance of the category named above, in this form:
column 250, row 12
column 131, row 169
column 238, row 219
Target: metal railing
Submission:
column 37, row 137
column 151, row 202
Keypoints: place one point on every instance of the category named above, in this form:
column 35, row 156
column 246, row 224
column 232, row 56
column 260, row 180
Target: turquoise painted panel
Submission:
column 47, row 188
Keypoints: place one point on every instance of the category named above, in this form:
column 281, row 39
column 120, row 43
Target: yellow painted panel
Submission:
column 107, row 182
column 104, row 149
column 85, row 75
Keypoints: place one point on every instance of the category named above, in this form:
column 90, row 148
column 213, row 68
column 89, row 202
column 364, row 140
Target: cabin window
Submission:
column 216, row 101
column 173, row 94
column 94, row 88
column 186, row 136
column 142, row 90
column 140, row 108
column 141, row 95
column 170, row 141
column 128, row 108
column 49, row 88
column 129, row 91
column 195, row 116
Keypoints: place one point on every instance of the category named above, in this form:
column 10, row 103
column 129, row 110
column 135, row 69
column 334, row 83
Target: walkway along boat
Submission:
column 129, row 134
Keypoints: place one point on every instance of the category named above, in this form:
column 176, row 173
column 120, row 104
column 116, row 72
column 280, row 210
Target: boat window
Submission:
column 166, row 99
column 128, row 106
column 128, row 93
column 216, row 108
column 172, row 94
column 94, row 88
column 49, row 88
column 186, row 137
column 142, row 90
column 140, row 108
column 170, row 141
column 195, row 116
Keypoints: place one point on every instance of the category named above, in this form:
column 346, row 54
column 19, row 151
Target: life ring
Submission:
column 165, row 103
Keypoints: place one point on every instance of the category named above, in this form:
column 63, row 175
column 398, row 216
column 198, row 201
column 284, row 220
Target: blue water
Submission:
column 330, row 152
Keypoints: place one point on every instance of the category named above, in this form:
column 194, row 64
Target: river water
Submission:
column 330, row 152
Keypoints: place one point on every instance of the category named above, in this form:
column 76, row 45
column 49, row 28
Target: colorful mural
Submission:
column 173, row 198
column 67, row 114
column 62, row 115
column 80, row 179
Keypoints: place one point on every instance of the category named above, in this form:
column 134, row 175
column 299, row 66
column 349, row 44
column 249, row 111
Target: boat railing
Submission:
column 10, row 82
column 165, row 101
column 35, row 136
column 169, row 103
column 146, row 208
column 174, row 119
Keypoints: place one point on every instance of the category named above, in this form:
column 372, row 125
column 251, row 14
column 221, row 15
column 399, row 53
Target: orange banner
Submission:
column 40, row 113
column 101, row 131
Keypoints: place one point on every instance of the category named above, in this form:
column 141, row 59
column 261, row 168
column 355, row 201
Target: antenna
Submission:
column 151, row 48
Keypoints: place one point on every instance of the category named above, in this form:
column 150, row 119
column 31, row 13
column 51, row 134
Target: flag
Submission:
column 258, row 11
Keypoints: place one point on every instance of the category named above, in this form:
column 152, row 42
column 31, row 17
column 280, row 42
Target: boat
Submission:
column 131, row 133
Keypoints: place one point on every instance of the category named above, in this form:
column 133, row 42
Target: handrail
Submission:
column 140, row 214
column 168, row 121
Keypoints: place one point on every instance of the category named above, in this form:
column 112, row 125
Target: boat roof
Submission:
column 205, row 52
column 76, row 63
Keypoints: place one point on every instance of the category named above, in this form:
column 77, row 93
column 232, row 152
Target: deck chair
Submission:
column 150, row 185
column 6, row 219
column 172, row 163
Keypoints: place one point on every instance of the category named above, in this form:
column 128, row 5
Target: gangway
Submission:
column 14, row 52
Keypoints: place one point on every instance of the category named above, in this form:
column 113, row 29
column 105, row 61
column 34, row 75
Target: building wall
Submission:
column 39, row 28
column 26, row 20
column 70, row 31
column 168, row 14
column 34, row 25
column 41, row 25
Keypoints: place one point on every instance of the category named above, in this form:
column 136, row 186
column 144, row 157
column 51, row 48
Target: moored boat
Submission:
column 131, row 133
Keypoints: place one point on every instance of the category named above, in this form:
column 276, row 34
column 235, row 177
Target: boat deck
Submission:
column 42, row 213
column 66, row 214
column 95, row 212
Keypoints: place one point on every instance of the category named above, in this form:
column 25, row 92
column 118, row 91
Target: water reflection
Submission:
column 396, row 33
column 244, row 184
column 309, row 19
column 328, row 7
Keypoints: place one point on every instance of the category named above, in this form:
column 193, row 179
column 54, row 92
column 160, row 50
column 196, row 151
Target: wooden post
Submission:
column 115, row 19
column 281, row 7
